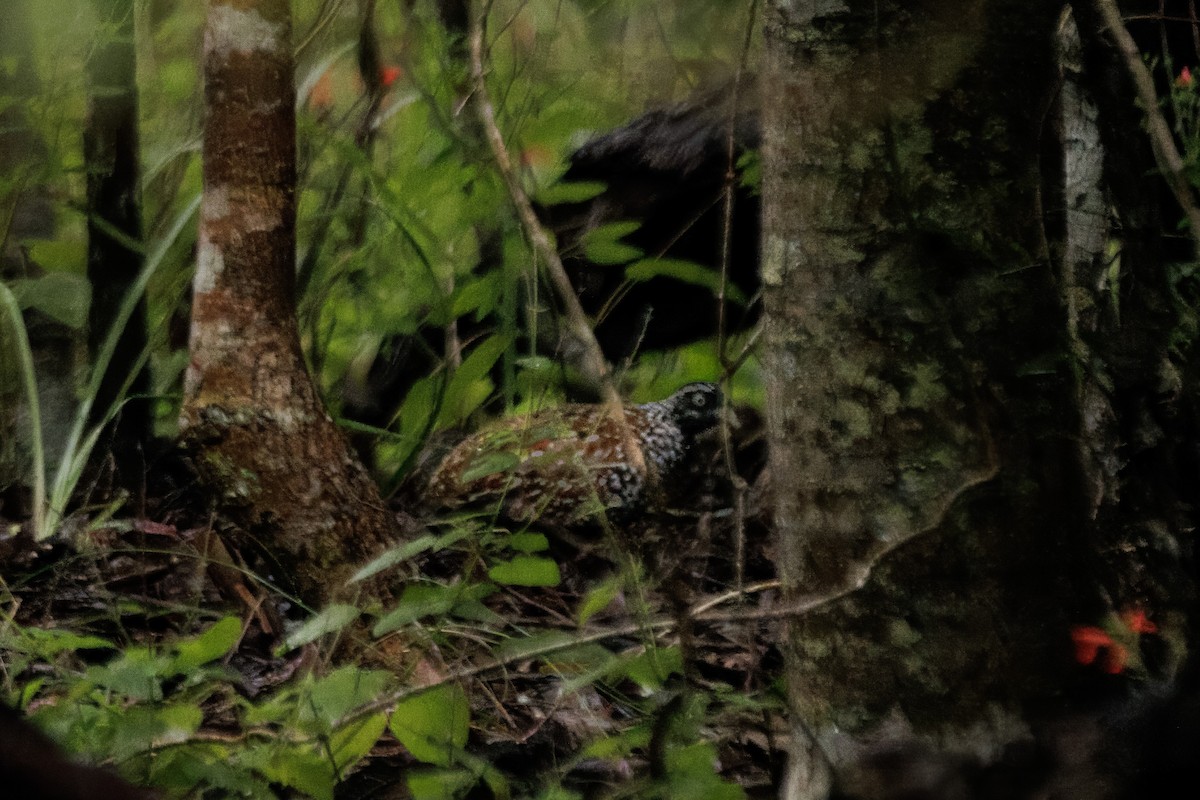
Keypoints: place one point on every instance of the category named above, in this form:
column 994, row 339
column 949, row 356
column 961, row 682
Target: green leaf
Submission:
column 619, row 745
column 416, row 601
column 599, row 598
column 136, row 673
column 62, row 296
column 538, row 644
column 59, row 255
column 49, row 642
column 570, row 192
column 440, row 784
column 478, row 296
column 652, row 668
column 686, row 272
column 208, row 646
column 526, row 571
column 408, row 550
column 528, row 542
column 351, row 743
column 433, row 725
column 470, row 386
column 299, row 768
column 691, row 772
column 603, row 245
column 328, row 620
column 414, row 420
column 490, row 464
column 337, row 694
column 141, row 729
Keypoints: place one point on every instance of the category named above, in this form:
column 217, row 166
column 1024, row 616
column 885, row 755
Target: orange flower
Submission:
column 1185, row 80
column 1088, row 640
column 321, row 96
column 389, row 75
column 1135, row 618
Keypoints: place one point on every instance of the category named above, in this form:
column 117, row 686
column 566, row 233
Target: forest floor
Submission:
column 597, row 682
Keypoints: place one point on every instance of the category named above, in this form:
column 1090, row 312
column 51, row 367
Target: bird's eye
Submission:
column 700, row 401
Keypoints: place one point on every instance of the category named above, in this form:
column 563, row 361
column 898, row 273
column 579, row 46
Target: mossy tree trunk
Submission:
column 264, row 441
column 920, row 398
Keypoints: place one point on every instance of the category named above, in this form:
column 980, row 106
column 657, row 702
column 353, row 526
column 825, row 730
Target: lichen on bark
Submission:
column 913, row 346
column 262, row 439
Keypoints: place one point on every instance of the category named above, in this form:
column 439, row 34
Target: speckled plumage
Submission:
column 569, row 463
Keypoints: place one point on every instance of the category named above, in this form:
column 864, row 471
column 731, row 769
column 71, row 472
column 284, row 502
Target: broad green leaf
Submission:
column 59, row 255
column 298, row 767
column 440, row 784
column 351, row 743
column 340, row 692
column 141, row 729
column 652, row 668
column 278, row 708
column 208, row 646
column 526, row 570
column 433, row 725
column 136, row 673
column 328, row 620
column 528, row 542
column 210, row 766
column 62, row 296
column 691, row 772
column 686, row 272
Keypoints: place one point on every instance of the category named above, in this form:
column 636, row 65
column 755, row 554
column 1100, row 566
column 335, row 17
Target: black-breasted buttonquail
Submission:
column 569, row 463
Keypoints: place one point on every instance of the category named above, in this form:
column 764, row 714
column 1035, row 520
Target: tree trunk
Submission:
column 110, row 146
column 265, row 441
column 919, row 391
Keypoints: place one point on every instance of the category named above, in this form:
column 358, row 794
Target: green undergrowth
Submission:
column 508, row 651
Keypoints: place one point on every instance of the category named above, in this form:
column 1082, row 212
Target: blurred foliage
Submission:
column 402, row 225
column 403, row 222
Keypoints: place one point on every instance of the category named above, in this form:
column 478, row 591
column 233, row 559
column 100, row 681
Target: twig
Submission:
column 1166, row 156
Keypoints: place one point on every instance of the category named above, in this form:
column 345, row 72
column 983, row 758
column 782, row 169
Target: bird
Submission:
column 569, row 464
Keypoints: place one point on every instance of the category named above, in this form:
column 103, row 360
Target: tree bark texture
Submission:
column 919, row 401
column 264, row 439
column 110, row 147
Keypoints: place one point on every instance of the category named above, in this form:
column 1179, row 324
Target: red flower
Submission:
column 1088, row 641
column 388, row 75
column 1135, row 618
column 1185, row 80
